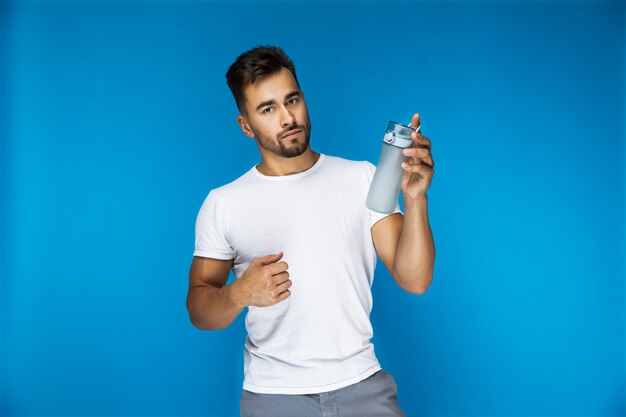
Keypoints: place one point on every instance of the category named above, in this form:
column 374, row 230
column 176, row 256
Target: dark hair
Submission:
column 254, row 64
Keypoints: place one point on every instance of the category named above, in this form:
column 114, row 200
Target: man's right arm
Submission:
column 209, row 299
column 213, row 305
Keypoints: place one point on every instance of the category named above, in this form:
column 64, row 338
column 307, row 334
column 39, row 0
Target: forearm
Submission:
column 415, row 256
column 212, row 308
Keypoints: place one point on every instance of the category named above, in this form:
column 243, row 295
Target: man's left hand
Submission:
column 419, row 168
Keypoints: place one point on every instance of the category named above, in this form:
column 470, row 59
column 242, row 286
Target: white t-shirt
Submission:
column 318, row 339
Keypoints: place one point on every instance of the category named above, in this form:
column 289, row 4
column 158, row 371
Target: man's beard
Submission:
column 278, row 146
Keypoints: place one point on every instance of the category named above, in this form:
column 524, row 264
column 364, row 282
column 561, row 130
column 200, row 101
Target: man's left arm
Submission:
column 405, row 244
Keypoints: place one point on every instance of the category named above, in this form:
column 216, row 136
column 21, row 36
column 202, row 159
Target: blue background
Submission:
column 117, row 121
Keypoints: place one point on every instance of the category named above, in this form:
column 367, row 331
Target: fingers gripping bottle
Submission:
column 385, row 187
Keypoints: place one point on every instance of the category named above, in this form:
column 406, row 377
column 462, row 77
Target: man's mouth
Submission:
column 291, row 133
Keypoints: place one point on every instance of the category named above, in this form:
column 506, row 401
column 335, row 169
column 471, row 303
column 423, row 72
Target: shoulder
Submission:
column 236, row 186
column 357, row 166
column 225, row 195
column 356, row 175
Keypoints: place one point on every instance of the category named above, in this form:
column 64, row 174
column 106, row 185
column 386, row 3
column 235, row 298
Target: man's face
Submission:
column 277, row 114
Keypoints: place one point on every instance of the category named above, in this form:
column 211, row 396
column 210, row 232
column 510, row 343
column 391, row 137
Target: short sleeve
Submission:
column 374, row 215
column 210, row 239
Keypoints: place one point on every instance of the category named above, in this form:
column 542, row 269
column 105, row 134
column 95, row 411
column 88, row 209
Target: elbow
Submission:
column 201, row 322
column 418, row 286
column 204, row 318
column 205, row 325
column 194, row 317
column 197, row 324
column 415, row 290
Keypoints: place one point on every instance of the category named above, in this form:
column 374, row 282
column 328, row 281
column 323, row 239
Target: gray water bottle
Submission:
column 385, row 187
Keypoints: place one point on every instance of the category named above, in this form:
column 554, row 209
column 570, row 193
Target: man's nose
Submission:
column 286, row 118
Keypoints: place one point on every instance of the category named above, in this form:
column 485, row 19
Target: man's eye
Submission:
column 267, row 110
column 292, row 100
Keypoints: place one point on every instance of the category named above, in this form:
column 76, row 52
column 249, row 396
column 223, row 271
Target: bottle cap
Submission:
column 399, row 135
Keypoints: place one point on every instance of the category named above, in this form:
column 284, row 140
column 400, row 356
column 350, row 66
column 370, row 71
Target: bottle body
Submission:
column 385, row 187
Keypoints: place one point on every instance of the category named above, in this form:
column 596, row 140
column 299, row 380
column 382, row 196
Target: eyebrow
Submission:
column 270, row 102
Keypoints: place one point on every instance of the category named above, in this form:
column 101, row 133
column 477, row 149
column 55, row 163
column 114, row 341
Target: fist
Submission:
column 265, row 282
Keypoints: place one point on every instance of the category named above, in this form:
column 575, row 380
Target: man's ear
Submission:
column 245, row 127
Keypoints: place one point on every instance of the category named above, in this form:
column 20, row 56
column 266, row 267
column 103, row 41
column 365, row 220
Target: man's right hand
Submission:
column 265, row 283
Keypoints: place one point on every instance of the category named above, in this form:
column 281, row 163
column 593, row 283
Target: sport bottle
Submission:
column 385, row 187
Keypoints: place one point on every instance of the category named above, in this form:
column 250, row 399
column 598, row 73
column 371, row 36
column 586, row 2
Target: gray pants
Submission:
column 376, row 396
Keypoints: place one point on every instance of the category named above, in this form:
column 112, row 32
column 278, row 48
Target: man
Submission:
column 303, row 247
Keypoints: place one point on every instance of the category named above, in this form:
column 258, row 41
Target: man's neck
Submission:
column 279, row 166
